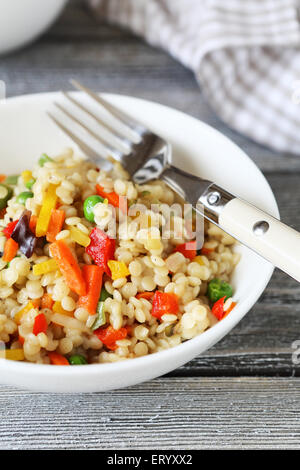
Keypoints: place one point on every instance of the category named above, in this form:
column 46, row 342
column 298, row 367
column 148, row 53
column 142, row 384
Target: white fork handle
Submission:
column 264, row 234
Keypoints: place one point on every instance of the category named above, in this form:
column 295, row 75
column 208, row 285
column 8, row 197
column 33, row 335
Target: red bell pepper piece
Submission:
column 109, row 336
column 218, row 308
column 189, row 250
column 40, row 324
column 8, row 230
column 163, row 303
column 101, row 249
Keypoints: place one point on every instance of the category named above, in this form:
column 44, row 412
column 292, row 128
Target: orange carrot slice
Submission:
column 10, row 250
column 57, row 359
column 69, row 267
column 93, row 278
column 55, row 225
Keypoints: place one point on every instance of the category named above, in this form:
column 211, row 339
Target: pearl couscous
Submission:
column 85, row 279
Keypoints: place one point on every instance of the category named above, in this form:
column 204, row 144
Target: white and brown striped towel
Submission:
column 245, row 54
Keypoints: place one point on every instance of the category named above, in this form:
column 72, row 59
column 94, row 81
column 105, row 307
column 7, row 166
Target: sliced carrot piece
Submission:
column 92, row 275
column 57, row 359
column 2, row 178
column 55, row 225
column 68, row 266
column 113, row 198
column 10, row 250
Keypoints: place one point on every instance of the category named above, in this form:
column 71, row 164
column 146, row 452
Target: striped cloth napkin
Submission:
column 245, row 54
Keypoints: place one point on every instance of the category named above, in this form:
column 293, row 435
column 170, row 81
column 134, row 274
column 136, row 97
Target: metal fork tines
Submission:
column 121, row 136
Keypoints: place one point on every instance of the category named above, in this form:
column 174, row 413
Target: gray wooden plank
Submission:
column 241, row 413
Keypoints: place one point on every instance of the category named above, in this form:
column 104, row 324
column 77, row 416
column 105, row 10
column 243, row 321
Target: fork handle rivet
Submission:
column 213, row 198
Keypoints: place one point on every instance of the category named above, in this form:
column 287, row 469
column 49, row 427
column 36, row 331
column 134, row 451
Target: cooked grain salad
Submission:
column 72, row 292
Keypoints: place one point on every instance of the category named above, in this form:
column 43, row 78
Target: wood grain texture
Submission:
column 203, row 404
column 241, row 413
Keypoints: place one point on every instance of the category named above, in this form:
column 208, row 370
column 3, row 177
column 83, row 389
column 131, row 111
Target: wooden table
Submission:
column 244, row 392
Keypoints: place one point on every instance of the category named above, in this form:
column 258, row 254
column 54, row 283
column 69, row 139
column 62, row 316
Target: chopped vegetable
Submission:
column 118, row 269
column 109, row 336
column 22, row 198
column 77, row 360
column 69, row 266
column 217, row 289
column 8, row 230
column 113, row 198
column 40, row 324
column 55, row 224
column 57, row 308
column 47, row 301
column 198, row 259
column 44, row 158
column 93, row 278
column 5, row 194
column 79, row 237
column 49, row 203
column 101, row 249
column 45, row 267
column 23, row 235
column 12, row 354
column 206, row 251
column 145, row 295
column 57, row 359
column 30, row 183
column 10, row 250
column 2, row 177
column 164, row 303
column 101, row 317
column 12, row 180
column 218, row 308
column 189, row 250
column 104, row 295
column 26, row 175
column 89, row 205
column 18, row 316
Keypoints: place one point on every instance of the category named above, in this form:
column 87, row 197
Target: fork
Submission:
column 147, row 157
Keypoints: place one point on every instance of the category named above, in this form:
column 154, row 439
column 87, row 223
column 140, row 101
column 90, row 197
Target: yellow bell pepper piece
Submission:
column 118, row 269
column 26, row 175
column 18, row 316
column 57, row 308
column 45, row 267
column 79, row 237
column 49, row 203
column 199, row 260
column 12, row 354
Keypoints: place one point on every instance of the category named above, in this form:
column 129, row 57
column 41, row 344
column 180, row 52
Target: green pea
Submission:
column 5, row 194
column 30, row 183
column 77, row 360
column 44, row 158
column 217, row 289
column 12, row 180
column 22, row 198
column 101, row 317
column 88, row 207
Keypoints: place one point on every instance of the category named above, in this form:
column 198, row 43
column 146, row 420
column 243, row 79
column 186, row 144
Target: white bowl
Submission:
column 21, row 21
column 26, row 132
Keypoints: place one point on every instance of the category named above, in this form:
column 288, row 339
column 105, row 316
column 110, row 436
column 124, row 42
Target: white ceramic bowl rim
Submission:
column 211, row 336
